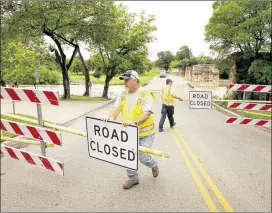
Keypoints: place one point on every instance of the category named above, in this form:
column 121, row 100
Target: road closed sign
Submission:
column 200, row 100
column 112, row 142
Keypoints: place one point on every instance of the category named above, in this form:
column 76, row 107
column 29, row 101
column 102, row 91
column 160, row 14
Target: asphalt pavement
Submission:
column 213, row 167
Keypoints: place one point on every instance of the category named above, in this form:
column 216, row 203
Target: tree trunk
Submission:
column 106, row 87
column 66, row 83
column 86, row 73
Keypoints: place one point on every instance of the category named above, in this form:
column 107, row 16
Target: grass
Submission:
column 144, row 78
column 11, row 135
column 83, row 98
column 247, row 113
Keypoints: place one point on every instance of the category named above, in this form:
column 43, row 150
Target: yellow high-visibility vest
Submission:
column 146, row 128
column 166, row 97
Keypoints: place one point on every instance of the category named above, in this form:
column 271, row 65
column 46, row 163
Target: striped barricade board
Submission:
column 30, row 95
column 35, row 132
column 249, row 121
column 250, row 88
column 249, row 106
column 34, row 159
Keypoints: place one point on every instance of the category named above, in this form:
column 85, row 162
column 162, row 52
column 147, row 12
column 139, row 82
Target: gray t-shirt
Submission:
column 147, row 105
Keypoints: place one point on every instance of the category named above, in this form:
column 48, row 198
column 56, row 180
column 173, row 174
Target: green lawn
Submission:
column 83, row 98
column 247, row 113
column 144, row 78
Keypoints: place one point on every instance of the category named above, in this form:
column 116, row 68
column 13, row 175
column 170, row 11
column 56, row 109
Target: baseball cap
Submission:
column 129, row 74
column 168, row 80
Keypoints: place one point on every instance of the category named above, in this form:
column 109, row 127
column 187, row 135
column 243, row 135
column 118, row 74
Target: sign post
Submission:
column 112, row 142
column 39, row 109
column 200, row 99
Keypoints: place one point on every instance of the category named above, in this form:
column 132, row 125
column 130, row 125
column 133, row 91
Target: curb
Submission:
column 190, row 85
column 225, row 111
column 66, row 124
column 70, row 122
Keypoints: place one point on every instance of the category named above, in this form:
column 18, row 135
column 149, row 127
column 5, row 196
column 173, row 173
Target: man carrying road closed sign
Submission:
column 135, row 104
column 167, row 98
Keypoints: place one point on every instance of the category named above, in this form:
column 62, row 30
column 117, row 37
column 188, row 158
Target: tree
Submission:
column 77, row 66
column 18, row 64
column 202, row 59
column 183, row 52
column 164, row 59
column 224, row 66
column 123, row 44
column 243, row 26
column 38, row 19
column 260, row 72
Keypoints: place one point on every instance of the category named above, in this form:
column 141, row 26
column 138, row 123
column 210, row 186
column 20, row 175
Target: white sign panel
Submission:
column 112, row 142
column 200, row 100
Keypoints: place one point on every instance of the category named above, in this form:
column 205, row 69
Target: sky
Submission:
column 178, row 23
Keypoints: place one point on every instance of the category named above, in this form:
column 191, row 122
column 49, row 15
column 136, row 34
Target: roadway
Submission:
column 213, row 167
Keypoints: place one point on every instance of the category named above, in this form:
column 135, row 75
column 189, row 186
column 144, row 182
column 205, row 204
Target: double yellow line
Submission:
column 209, row 202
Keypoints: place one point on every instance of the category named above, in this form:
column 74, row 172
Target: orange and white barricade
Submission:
column 249, row 106
column 39, row 133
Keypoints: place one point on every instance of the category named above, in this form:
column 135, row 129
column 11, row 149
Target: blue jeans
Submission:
column 144, row 158
column 169, row 111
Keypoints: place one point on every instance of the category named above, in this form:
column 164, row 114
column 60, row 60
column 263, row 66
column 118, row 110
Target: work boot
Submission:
column 129, row 183
column 155, row 171
column 173, row 125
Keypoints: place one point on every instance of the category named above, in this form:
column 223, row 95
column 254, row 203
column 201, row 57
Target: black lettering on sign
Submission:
column 206, row 96
column 98, row 148
column 194, row 95
column 124, row 136
column 192, row 102
column 105, row 132
column 107, row 150
column 97, row 129
column 131, row 155
column 209, row 103
column 114, row 134
column 122, row 153
column 114, row 151
column 91, row 145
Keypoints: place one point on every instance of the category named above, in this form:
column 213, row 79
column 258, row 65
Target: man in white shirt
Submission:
column 135, row 104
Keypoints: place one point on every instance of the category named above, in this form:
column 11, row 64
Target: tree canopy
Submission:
column 122, row 45
column 243, row 26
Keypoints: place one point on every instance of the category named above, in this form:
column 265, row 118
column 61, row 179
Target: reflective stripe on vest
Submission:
column 147, row 128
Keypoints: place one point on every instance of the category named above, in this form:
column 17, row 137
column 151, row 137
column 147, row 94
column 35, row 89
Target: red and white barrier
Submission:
column 30, row 95
column 43, row 162
column 250, row 88
column 249, row 106
column 38, row 133
column 249, row 121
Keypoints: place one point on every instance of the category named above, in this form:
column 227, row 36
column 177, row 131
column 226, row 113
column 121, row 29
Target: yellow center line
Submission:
column 201, row 187
column 215, row 190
